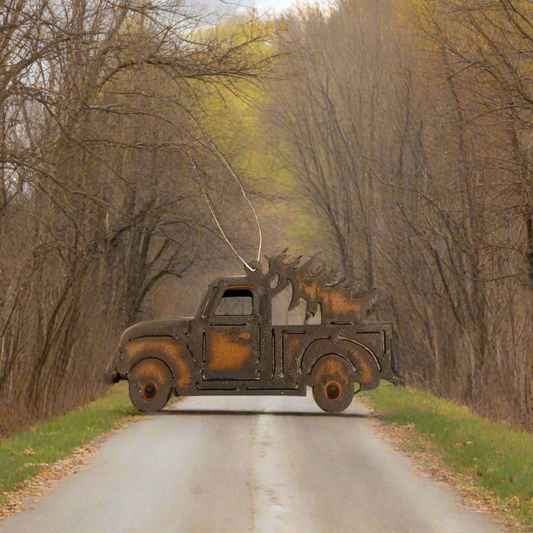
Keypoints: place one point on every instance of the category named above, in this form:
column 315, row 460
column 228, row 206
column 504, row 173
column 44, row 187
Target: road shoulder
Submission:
column 455, row 456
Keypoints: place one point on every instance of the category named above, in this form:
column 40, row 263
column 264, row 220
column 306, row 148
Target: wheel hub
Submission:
column 333, row 390
column 150, row 390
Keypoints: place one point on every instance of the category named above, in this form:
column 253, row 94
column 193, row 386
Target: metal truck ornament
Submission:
column 231, row 346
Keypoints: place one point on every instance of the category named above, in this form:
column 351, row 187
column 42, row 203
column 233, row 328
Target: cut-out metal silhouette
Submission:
column 231, row 346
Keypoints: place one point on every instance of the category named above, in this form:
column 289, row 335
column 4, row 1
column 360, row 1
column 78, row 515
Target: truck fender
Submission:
column 363, row 364
column 166, row 349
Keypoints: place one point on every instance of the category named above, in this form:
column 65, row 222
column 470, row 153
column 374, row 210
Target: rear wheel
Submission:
column 150, row 385
column 333, row 386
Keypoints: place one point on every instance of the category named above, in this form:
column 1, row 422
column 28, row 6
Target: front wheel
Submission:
column 333, row 386
column 150, row 385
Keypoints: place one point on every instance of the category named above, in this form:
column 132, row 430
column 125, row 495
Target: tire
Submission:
column 333, row 384
column 150, row 385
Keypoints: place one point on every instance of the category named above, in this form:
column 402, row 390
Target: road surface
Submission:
column 255, row 464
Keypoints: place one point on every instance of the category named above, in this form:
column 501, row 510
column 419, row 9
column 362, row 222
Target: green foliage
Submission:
column 500, row 458
column 56, row 438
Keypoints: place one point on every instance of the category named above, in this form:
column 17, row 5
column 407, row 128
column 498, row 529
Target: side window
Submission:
column 235, row 302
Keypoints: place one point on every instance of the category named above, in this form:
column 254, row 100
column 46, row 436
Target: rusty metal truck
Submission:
column 231, row 346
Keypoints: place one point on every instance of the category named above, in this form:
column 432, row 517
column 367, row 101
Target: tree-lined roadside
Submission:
column 107, row 130
column 494, row 456
column 407, row 128
column 395, row 137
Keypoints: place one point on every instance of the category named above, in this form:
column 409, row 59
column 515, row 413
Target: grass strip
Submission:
column 55, row 439
column 498, row 457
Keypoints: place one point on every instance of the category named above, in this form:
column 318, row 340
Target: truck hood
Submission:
column 176, row 328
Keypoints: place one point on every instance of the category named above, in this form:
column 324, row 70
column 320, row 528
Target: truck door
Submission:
column 230, row 349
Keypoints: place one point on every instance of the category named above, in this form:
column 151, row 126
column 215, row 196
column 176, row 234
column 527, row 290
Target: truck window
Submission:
column 235, row 302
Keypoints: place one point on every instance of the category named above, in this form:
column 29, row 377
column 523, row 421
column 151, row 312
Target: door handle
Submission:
column 245, row 336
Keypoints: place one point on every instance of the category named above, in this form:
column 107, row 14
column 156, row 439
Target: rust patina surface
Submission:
column 232, row 347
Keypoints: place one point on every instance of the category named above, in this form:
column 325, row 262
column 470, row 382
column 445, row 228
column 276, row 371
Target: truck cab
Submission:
column 230, row 320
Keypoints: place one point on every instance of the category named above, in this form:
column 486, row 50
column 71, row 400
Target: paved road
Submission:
column 262, row 464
